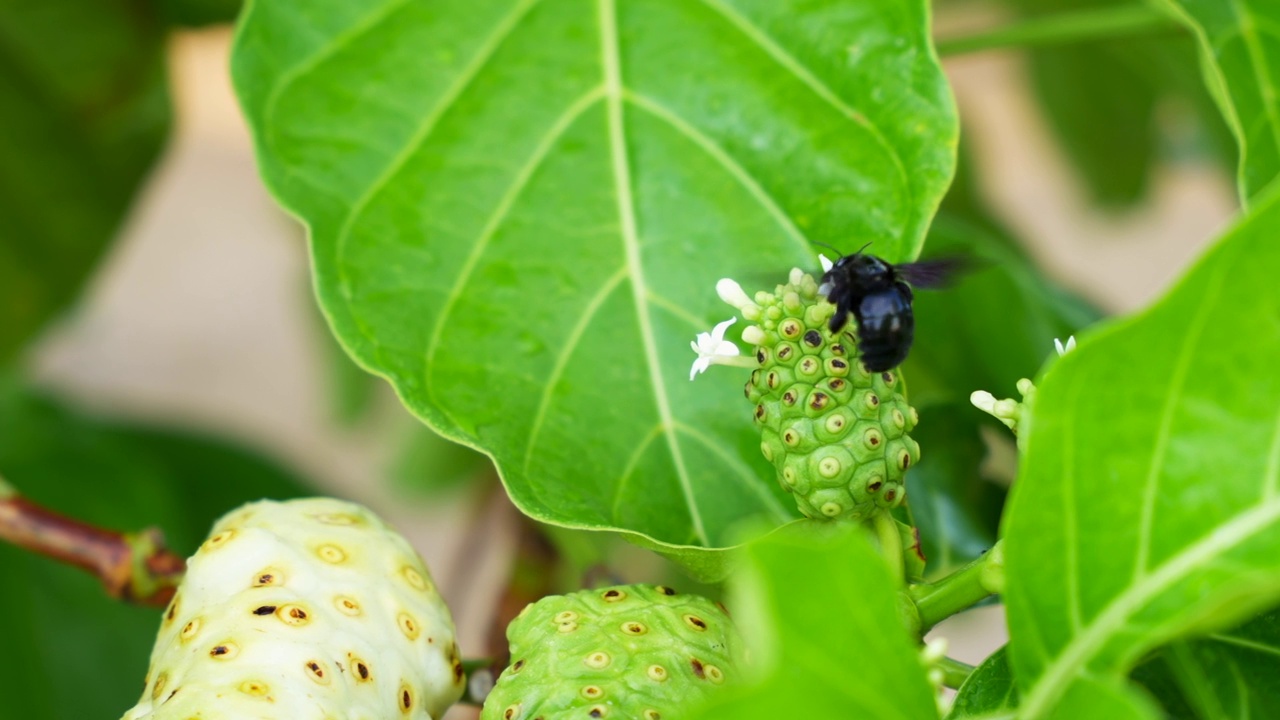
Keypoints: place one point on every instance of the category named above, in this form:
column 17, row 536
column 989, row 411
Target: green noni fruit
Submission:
column 836, row 433
column 633, row 652
column 303, row 610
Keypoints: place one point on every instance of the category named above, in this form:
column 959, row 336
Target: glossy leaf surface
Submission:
column 1230, row 674
column 1240, row 51
column 990, row 692
column 820, row 664
column 85, row 113
column 57, row 623
column 519, row 209
column 1148, row 502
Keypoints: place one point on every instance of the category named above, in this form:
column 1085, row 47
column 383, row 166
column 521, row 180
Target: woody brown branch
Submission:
column 132, row 566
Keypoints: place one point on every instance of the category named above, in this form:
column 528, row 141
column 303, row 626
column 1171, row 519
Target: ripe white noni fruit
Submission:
column 309, row 609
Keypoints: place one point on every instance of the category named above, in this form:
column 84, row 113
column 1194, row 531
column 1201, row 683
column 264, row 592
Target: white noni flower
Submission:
column 713, row 349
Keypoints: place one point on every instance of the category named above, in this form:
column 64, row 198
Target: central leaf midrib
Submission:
column 611, row 64
column 1082, row 647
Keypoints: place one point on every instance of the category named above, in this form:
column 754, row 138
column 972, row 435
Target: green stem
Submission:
column 954, row 672
column 890, row 545
column 6, row 490
column 960, row 590
column 1064, row 28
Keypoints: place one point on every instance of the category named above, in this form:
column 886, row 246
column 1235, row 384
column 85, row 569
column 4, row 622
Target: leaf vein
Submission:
column 789, row 63
column 1076, row 654
column 750, row 480
column 562, row 358
column 1177, row 385
column 499, row 215
column 612, row 61
column 727, row 161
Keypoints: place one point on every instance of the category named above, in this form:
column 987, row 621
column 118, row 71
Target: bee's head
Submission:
column 868, row 270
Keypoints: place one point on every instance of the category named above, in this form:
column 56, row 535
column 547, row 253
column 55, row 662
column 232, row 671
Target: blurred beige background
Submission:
column 202, row 316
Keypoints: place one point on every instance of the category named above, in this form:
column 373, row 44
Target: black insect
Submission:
column 879, row 296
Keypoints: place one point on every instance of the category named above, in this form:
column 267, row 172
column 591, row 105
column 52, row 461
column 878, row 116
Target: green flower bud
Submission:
column 632, row 651
column 837, row 434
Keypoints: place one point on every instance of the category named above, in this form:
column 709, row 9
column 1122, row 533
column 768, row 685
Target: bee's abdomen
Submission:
column 886, row 329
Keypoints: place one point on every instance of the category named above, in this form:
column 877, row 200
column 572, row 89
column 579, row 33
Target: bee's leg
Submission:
column 841, row 315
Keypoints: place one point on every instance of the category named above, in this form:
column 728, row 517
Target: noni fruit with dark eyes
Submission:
column 836, row 433
column 632, row 652
column 308, row 610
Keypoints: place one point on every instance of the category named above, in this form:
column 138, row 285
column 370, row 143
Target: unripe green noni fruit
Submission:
column 632, row 652
column 836, row 433
column 308, row 610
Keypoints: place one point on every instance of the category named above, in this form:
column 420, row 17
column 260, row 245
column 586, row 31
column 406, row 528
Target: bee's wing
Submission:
column 936, row 272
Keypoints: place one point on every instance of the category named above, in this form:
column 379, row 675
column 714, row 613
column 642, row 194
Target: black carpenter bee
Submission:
column 879, row 297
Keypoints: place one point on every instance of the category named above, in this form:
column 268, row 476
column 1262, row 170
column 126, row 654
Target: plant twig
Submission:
column 1065, row 28
column 954, row 672
column 136, row 567
column 890, row 545
column 960, row 590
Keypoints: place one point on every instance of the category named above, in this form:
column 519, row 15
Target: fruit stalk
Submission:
column 960, row 590
column 890, row 545
column 954, row 672
column 136, row 567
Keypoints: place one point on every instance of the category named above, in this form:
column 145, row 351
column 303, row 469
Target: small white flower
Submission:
column 712, row 347
column 1064, row 348
column 984, row 401
column 732, row 293
column 826, row 264
column 934, row 651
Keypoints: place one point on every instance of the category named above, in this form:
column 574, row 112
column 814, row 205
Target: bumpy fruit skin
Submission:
column 307, row 610
column 632, row 652
column 836, row 433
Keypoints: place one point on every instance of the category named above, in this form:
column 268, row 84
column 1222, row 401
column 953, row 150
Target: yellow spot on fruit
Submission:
column 224, row 651
column 254, row 688
column 347, row 606
column 408, row 626
column 218, row 540
column 331, row 554
column 293, row 615
column 414, row 578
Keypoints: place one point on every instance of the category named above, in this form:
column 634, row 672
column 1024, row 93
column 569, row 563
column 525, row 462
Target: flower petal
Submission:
column 732, row 293
column 717, row 332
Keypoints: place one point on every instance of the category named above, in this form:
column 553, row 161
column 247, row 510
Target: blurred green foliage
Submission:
column 58, row 626
column 85, row 114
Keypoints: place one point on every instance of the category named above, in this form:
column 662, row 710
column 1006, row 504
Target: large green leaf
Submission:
column 518, row 210
column 823, row 620
column 86, row 111
column 1231, row 674
column 1148, row 502
column 1240, row 53
column 57, row 623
